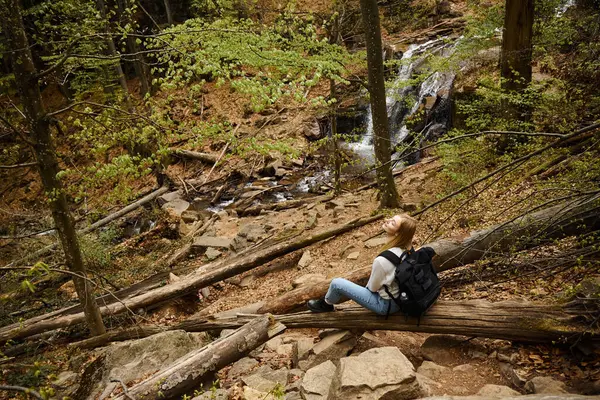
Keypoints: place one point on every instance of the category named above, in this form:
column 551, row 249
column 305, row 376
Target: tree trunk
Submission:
column 43, row 148
column 186, row 373
column 381, row 131
column 112, row 50
column 139, row 64
column 509, row 320
column 515, row 60
column 206, row 275
column 168, row 12
column 528, row 231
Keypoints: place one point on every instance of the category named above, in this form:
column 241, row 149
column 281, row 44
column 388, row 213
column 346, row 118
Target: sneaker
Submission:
column 319, row 306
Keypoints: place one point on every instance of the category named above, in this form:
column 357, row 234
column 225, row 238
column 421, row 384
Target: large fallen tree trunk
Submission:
column 206, row 275
column 519, row 321
column 185, row 374
column 96, row 225
column 525, row 232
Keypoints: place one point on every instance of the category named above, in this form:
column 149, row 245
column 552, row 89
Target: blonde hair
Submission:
column 404, row 235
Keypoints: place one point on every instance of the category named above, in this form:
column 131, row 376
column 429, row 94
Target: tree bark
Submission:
column 206, row 275
column 509, row 320
column 528, row 231
column 185, row 374
column 515, row 59
column 168, row 12
column 528, row 322
column 381, row 132
column 43, row 148
column 204, row 157
column 112, row 50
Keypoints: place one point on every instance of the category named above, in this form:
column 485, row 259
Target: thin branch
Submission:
column 517, row 161
column 60, row 62
column 25, row 390
column 14, row 166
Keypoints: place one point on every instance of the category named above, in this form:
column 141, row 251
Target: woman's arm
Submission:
column 377, row 276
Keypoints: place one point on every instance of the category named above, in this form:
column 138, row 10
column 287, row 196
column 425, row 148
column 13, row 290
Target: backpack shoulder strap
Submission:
column 392, row 257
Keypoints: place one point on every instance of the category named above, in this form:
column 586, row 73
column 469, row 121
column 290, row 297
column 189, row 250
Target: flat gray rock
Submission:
column 376, row 242
column 378, row 373
column 316, row 383
column 212, row 241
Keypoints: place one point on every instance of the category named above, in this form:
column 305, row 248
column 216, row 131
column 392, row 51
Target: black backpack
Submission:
column 417, row 279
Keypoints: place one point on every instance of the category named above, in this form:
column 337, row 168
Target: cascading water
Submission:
column 436, row 87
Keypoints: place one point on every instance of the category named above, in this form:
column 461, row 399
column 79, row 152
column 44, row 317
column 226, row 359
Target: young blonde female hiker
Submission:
column 400, row 230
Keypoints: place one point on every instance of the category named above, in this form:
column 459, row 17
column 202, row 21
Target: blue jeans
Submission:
column 341, row 290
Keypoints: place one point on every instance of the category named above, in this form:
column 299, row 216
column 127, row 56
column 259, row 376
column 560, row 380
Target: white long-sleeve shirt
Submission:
column 382, row 274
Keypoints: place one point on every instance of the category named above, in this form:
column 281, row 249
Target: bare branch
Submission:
column 25, row 165
column 25, row 390
column 517, row 161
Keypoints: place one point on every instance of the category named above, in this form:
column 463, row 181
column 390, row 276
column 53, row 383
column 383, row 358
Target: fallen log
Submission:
column 521, row 233
column 284, row 205
column 185, row 374
column 96, row 225
column 194, row 155
column 206, row 275
column 509, row 320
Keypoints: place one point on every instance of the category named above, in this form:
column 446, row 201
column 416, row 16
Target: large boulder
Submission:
column 380, row 373
column 331, row 347
column 134, row 359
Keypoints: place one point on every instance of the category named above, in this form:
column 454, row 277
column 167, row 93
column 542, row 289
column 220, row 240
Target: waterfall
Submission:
column 399, row 94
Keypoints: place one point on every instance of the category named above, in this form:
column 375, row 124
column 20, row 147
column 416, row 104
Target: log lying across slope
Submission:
column 206, row 275
column 520, row 321
column 186, row 373
column 556, row 222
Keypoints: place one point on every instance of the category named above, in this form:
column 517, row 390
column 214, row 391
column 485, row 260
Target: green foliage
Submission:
column 267, row 63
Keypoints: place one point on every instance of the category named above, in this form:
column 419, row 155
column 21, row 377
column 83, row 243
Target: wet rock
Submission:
column 316, row 384
column 377, row 373
column 311, row 129
column 305, row 260
column 376, row 242
column 497, row 391
column 308, row 279
column 203, row 242
column 432, row 370
column 545, row 385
